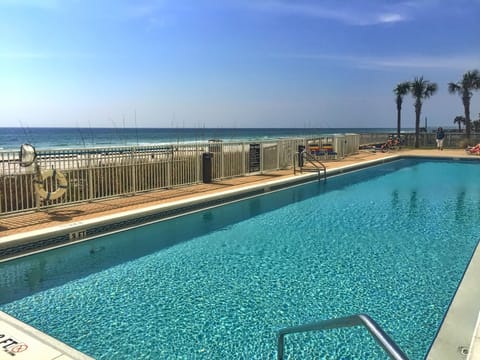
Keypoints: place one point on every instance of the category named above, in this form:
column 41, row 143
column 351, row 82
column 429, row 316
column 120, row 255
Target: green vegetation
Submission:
column 459, row 120
column 465, row 87
column 476, row 124
column 420, row 89
column 400, row 91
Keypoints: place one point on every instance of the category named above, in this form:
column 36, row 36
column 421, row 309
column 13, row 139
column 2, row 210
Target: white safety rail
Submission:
column 453, row 140
column 99, row 173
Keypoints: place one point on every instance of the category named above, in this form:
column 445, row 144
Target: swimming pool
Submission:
column 392, row 241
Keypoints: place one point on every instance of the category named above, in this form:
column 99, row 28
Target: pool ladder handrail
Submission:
column 390, row 347
column 317, row 164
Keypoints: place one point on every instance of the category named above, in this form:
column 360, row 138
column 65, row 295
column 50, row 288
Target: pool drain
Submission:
column 463, row 350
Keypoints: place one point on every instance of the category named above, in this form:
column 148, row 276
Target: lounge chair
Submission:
column 475, row 150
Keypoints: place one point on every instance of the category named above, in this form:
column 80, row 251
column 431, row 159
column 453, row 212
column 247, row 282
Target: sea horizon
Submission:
column 11, row 138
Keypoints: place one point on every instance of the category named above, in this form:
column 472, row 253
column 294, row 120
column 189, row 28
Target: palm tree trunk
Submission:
column 399, row 116
column 418, row 111
column 468, row 122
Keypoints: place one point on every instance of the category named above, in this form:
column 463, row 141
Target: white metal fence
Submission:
column 453, row 140
column 99, row 173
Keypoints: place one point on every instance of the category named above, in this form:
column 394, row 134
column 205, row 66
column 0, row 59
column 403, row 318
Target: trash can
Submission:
column 207, row 167
column 301, row 149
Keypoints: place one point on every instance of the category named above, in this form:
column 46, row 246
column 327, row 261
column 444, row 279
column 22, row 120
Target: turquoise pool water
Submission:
column 391, row 241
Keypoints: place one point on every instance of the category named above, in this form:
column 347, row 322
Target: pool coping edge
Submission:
column 26, row 342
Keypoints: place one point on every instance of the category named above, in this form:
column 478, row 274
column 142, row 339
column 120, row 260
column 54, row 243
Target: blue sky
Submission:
column 231, row 63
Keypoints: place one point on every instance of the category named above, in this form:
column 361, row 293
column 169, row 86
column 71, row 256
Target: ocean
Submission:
column 11, row 138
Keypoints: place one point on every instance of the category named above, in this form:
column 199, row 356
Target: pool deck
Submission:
column 454, row 340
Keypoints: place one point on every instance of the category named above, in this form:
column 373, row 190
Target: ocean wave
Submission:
column 61, row 138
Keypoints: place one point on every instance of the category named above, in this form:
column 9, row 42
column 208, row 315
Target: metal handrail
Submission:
column 317, row 164
column 390, row 347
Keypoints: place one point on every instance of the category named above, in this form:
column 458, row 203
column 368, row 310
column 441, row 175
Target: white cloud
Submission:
column 361, row 13
column 458, row 62
column 461, row 62
column 391, row 18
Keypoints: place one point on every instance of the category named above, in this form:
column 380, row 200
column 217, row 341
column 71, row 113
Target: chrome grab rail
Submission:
column 375, row 330
column 312, row 160
column 317, row 164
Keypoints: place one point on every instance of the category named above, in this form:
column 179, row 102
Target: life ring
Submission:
column 57, row 177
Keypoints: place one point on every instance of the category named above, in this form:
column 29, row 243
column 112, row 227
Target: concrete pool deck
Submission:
column 455, row 335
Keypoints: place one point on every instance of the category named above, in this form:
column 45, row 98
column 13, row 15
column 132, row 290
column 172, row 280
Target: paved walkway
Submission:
column 35, row 220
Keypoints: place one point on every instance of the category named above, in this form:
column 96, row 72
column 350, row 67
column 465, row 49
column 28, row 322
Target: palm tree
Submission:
column 465, row 88
column 420, row 89
column 476, row 124
column 459, row 120
column 400, row 91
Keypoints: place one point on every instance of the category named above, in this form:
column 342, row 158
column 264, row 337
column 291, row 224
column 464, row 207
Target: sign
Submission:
column 11, row 346
column 254, row 158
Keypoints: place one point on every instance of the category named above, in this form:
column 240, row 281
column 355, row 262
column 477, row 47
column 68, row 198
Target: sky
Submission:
column 232, row 63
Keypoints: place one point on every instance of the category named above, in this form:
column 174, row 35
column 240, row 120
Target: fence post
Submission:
column 90, row 178
column 244, row 166
column 38, row 175
column 222, row 173
column 134, row 171
column 198, row 154
column 278, row 154
column 262, row 158
column 170, row 168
